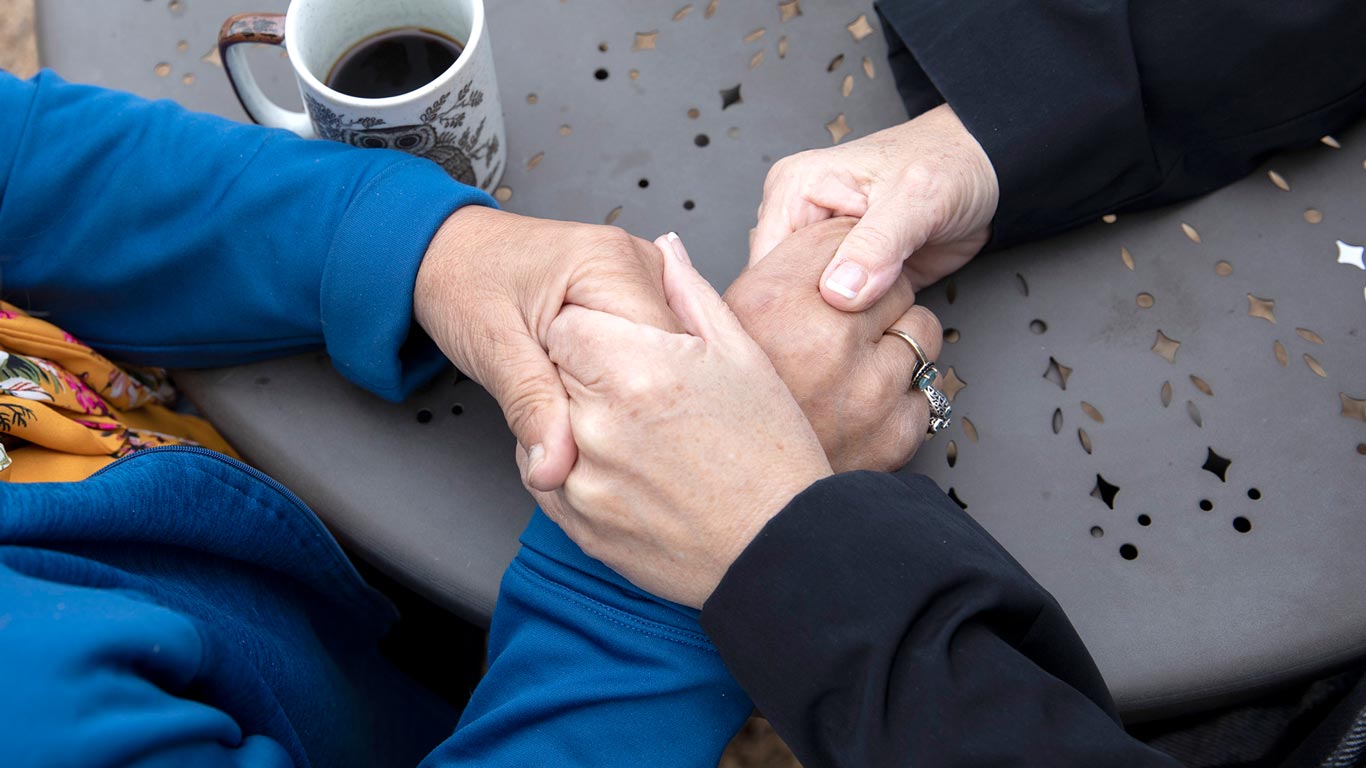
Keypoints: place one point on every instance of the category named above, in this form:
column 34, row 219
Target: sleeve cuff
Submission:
column 367, row 283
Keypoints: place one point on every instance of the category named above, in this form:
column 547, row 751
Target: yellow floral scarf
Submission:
column 66, row 411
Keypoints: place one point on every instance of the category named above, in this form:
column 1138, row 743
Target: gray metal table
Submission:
column 1157, row 414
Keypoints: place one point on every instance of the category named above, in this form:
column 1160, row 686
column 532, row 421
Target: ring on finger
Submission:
column 925, row 371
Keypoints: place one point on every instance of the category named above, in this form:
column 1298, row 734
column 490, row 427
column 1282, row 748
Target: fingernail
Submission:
column 534, row 457
column 848, row 279
column 676, row 243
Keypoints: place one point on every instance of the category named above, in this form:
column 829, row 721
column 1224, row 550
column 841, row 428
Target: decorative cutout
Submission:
column 645, row 41
column 1202, row 385
column 688, row 205
column 1331, row 142
column 634, row 74
column 1207, row 505
column 1314, row 365
column 1097, row 532
column 1280, row 354
column 424, row 416
column 602, row 47
column 601, row 73
column 163, row 69
column 175, row 7
column 1254, row 494
column 1105, row 491
column 1223, row 268
column 1263, row 308
column 1093, row 412
column 951, row 453
column 782, row 47
column 1242, row 524
column 1165, row 347
column 182, row 46
column 730, row 97
column 711, row 9
column 838, row 129
column 860, row 28
column 789, row 10
column 1166, row 393
column 1057, row 373
column 1145, row 520
column 1351, row 254
column 950, row 384
column 1109, row 218
column 847, row 87
column 701, row 140
column 1057, row 420
column 733, row 132
column 954, row 495
column 835, row 63
column 951, row 290
column 532, row 98
column 1037, row 326
column 682, row 13
column 1309, row 336
column 187, row 78
column 1127, row 257
column 755, row 35
column 756, row 59
column 643, row 183
column 951, row 335
column 1024, row 286
column 1217, row 465
column 1190, row 232
column 1194, row 412
column 1128, row 551
column 457, row 409
column 1313, row 216
column 1278, row 180
column 612, row 215
column 565, row 130
column 1144, row 300
column 694, row 113
column 1352, row 408
column 502, row 194
column 970, row 429
column 1085, row 442
column 868, row 70
column 212, row 57
column 535, row 160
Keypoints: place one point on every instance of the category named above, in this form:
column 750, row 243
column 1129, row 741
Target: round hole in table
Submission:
column 1254, row 494
column 1206, row 505
column 457, row 409
column 424, row 416
column 701, row 140
column 1242, row 524
column 1128, row 551
column 601, row 74
column 1145, row 520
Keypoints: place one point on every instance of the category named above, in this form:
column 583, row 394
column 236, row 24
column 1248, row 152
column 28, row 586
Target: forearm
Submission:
column 166, row 237
column 874, row 623
column 585, row 669
column 1087, row 108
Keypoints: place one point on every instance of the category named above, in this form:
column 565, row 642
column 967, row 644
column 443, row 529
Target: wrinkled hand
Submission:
column 688, row 442
column 488, row 290
column 852, row 382
column 925, row 193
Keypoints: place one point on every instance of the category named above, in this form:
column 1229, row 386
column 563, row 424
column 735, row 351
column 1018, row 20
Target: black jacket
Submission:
column 874, row 622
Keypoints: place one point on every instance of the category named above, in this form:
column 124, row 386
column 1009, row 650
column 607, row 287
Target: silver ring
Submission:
column 940, row 410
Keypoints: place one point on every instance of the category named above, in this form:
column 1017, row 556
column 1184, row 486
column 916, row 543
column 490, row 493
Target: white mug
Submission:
column 455, row 120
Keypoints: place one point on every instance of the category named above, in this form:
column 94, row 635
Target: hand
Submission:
column 688, row 442
column 852, row 382
column 488, row 289
column 925, row 193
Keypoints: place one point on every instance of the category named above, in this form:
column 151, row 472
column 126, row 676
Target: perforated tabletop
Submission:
column 1162, row 417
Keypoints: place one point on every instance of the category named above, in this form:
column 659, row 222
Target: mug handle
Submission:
column 267, row 28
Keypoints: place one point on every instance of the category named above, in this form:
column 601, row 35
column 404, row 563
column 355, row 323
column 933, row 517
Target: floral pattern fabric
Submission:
column 60, row 398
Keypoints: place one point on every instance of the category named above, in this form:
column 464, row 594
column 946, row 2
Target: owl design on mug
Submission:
column 439, row 137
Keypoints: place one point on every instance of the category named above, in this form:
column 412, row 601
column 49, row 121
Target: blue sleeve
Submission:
column 587, row 670
column 166, row 237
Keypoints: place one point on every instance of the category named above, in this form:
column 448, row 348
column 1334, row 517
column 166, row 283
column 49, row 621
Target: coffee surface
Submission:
column 393, row 63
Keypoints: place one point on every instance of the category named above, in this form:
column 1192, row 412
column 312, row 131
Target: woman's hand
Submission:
column 925, row 192
column 852, row 382
column 688, row 442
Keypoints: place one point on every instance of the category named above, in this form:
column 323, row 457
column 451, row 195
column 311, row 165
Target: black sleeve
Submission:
column 875, row 624
column 1088, row 107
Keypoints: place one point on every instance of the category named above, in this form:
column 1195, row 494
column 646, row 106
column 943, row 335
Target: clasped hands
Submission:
column 662, row 426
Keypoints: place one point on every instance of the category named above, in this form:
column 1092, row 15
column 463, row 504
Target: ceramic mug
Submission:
column 455, row 120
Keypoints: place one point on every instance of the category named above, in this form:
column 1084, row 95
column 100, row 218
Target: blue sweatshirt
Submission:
column 179, row 608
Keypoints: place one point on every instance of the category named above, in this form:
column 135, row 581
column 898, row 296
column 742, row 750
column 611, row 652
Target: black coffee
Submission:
column 393, row 63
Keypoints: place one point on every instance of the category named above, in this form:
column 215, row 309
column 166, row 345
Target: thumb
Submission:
column 698, row 306
column 529, row 388
column 869, row 260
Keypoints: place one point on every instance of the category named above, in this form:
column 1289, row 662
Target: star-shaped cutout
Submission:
column 838, row 129
column 789, row 10
column 1165, row 347
column 1057, row 373
column 1263, row 308
column 212, row 57
column 950, row 384
column 730, row 97
column 1351, row 254
column 860, row 28
column 645, row 41
column 1352, row 408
